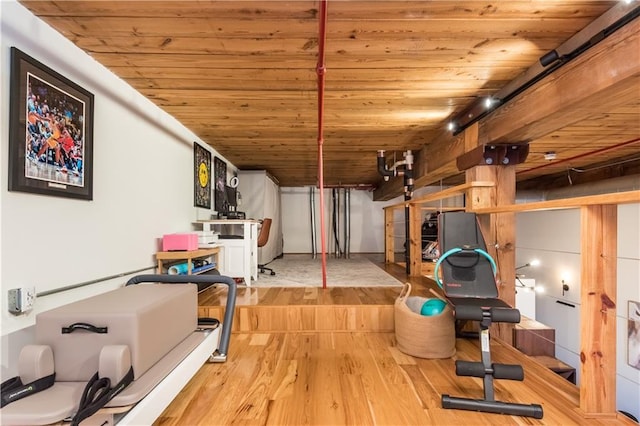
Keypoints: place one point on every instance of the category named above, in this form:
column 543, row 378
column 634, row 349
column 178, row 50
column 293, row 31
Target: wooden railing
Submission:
column 416, row 207
column 598, row 272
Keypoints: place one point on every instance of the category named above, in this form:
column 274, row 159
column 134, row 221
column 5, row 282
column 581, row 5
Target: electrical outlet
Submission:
column 21, row 300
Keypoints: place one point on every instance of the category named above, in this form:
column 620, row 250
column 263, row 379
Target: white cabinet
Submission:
column 239, row 255
column 233, row 258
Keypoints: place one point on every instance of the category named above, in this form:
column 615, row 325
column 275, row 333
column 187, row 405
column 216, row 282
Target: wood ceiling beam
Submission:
column 292, row 61
column 573, row 92
column 570, row 94
column 398, row 11
column 366, row 29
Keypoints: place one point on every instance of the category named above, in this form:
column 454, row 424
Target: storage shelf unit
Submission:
column 165, row 258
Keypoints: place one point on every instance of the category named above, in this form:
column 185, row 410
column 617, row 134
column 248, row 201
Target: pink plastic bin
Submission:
column 179, row 242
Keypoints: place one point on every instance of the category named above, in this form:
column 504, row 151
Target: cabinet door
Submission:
column 233, row 262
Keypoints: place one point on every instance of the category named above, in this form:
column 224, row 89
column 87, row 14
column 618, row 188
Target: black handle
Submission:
column 84, row 326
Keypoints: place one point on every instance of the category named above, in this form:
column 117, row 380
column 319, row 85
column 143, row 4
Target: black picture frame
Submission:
column 202, row 176
column 220, row 170
column 50, row 131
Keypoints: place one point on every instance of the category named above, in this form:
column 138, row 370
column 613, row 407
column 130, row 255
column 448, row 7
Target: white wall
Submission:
column 143, row 185
column 367, row 219
column 553, row 237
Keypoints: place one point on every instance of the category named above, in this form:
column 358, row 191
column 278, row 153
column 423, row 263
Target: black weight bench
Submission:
column 468, row 282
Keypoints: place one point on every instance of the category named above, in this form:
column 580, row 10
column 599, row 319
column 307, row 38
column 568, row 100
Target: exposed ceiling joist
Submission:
column 608, row 72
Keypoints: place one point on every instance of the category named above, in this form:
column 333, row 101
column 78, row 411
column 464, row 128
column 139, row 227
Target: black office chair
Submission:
column 468, row 282
column 263, row 237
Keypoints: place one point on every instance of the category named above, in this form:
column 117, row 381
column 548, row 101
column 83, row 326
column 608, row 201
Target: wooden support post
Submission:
column 498, row 229
column 598, row 312
column 505, row 235
column 388, row 235
column 415, row 240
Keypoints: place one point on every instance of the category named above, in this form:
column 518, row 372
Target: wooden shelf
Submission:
column 204, row 268
column 188, row 256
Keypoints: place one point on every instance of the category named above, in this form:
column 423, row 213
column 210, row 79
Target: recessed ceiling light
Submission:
column 550, row 155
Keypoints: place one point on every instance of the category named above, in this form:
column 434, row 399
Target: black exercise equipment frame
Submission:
column 485, row 308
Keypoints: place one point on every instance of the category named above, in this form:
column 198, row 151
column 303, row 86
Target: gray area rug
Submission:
column 303, row 271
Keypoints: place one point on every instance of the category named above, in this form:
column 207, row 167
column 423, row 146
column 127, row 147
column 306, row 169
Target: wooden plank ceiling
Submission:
column 242, row 76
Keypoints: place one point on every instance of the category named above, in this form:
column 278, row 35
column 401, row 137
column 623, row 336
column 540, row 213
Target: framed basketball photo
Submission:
column 50, row 131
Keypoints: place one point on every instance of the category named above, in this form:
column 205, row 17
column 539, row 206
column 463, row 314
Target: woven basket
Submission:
column 423, row 336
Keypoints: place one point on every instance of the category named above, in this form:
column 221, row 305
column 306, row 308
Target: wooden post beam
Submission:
column 499, row 229
column 415, row 240
column 388, row 236
column 598, row 312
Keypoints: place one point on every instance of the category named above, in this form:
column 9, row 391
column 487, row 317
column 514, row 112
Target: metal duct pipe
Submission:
column 407, row 245
column 382, row 167
column 407, row 172
column 332, row 236
column 320, row 69
column 408, row 195
column 360, row 186
column 408, row 176
column 339, row 250
column 347, row 223
column 399, row 168
column 335, row 221
column 312, row 210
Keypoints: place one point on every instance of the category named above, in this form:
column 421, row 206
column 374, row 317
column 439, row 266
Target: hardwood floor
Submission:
column 347, row 376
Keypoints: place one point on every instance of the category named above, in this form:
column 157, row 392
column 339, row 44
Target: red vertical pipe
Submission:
column 320, row 70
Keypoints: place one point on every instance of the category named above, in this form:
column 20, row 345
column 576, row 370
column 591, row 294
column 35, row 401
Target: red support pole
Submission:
column 320, row 70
